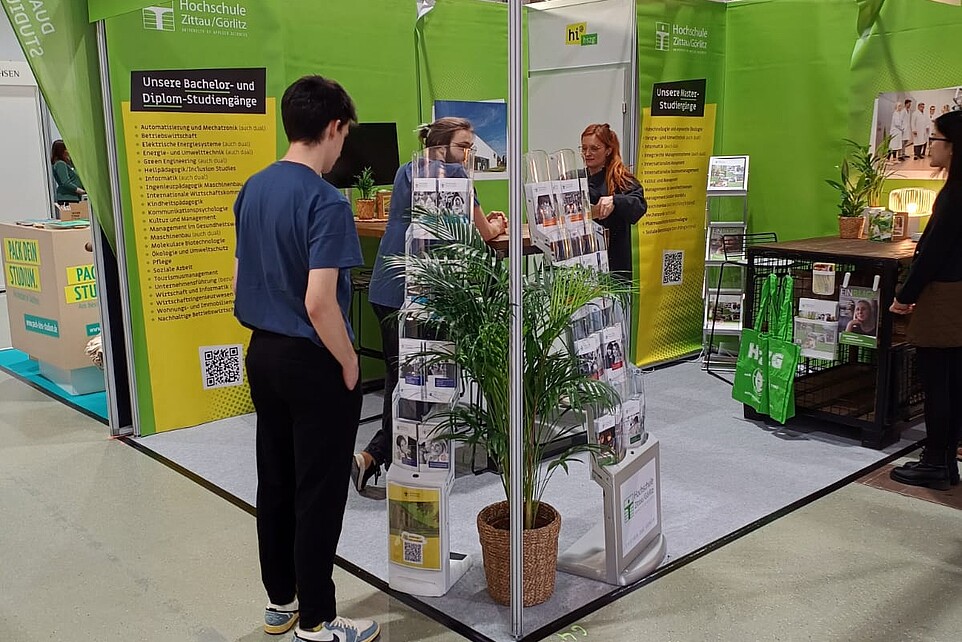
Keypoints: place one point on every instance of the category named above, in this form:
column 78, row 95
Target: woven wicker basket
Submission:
column 365, row 208
column 540, row 553
column 850, row 227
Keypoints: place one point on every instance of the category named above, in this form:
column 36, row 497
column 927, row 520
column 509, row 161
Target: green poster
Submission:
column 61, row 48
column 196, row 93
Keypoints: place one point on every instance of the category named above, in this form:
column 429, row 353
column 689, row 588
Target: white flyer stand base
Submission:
column 587, row 558
column 629, row 544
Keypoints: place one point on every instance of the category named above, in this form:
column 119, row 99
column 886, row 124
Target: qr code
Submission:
column 672, row 267
column 413, row 552
column 222, row 366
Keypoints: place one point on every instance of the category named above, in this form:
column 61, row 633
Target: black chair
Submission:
column 735, row 247
column 360, row 284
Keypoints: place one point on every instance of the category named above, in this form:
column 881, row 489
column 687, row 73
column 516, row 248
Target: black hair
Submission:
column 311, row 104
column 950, row 126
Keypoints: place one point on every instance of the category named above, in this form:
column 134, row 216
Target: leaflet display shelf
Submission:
column 875, row 390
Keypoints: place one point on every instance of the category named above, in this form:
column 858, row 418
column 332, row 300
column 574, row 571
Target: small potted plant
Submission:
column 854, row 198
column 464, row 289
column 862, row 177
column 365, row 204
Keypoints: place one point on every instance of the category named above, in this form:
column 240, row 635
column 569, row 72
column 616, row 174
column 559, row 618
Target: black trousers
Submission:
column 941, row 373
column 380, row 446
column 306, row 426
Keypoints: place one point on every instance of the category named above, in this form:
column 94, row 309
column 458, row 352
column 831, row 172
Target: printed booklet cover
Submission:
column 858, row 315
column 817, row 339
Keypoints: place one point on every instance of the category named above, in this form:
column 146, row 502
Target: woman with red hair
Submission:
column 617, row 198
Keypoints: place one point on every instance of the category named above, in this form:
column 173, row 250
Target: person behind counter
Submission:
column 933, row 293
column 69, row 187
column 617, row 198
column 452, row 137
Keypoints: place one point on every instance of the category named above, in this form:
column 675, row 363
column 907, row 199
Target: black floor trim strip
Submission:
column 429, row 611
column 52, row 395
column 569, row 618
column 622, row 591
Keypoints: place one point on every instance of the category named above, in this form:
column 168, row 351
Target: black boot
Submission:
column 931, row 471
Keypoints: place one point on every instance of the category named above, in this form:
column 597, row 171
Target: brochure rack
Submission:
column 628, row 544
column 422, row 470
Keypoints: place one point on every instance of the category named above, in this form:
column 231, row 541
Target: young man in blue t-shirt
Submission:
column 296, row 245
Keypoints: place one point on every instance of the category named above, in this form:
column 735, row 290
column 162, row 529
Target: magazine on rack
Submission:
column 454, row 196
column 858, row 315
column 817, row 339
column 405, row 446
column 725, row 310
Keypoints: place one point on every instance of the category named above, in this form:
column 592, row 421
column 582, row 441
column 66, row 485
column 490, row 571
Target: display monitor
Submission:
column 371, row 145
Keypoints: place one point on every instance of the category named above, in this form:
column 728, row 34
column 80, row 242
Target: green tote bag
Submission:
column 783, row 354
column 751, row 372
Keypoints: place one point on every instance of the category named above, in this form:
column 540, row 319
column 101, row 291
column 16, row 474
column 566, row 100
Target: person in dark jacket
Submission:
column 932, row 292
column 617, row 198
column 69, row 187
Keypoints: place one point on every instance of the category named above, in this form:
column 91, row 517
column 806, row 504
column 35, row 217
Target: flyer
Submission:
column 817, row 339
column 442, row 377
column 590, row 361
column 405, row 446
column 424, row 194
column 454, row 196
column 411, row 382
column 634, row 421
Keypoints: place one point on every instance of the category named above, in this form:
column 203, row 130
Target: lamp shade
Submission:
column 915, row 201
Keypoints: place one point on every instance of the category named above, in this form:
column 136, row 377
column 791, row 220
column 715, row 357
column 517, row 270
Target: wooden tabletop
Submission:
column 834, row 246
column 374, row 228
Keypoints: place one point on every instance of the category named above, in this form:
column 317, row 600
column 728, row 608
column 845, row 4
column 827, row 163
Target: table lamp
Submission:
column 916, row 203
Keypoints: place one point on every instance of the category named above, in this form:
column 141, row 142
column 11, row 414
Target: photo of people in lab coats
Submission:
column 905, row 118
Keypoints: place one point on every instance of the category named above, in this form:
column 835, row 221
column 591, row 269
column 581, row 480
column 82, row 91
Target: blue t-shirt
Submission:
column 387, row 283
column 290, row 221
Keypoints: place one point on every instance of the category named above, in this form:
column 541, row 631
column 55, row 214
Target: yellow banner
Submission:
column 414, row 524
column 23, row 251
column 23, row 277
column 673, row 158
column 81, row 274
column 185, row 172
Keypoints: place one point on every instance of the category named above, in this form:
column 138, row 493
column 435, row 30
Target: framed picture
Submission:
column 490, row 120
column 728, row 174
column 721, row 239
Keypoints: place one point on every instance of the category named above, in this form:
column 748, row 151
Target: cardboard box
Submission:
column 52, row 302
column 75, row 211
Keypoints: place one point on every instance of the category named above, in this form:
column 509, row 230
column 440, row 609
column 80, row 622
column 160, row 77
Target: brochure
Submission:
column 818, row 310
column 411, row 380
column 634, row 421
column 725, row 311
column 432, row 453
column 442, row 377
column 858, row 315
column 605, row 434
column 454, row 196
column 817, row 339
column 572, row 200
column 541, row 204
column 590, row 360
column 424, row 194
column 405, row 449
column 614, row 352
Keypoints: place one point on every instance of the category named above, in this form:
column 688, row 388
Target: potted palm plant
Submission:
column 365, row 204
column 464, row 288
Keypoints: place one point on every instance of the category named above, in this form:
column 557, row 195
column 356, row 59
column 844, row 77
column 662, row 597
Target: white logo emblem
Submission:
column 159, row 18
column 662, row 33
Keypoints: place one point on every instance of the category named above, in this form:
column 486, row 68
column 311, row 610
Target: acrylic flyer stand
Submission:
column 628, row 544
column 422, row 469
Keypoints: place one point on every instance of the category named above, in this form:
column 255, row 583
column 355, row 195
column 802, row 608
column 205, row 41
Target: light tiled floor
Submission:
column 99, row 543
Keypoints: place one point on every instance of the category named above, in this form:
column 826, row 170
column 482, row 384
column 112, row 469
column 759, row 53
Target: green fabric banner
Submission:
column 181, row 168
column 101, row 9
column 61, row 48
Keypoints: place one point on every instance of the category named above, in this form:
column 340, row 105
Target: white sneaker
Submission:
column 340, row 629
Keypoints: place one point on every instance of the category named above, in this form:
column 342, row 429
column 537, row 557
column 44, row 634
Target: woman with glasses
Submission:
column 617, row 198
column 451, row 138
column 932, row 292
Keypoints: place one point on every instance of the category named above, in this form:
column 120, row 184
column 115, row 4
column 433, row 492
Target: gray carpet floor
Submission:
column 719, row 474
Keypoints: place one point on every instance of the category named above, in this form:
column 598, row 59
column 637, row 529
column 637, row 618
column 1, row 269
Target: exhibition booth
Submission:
column 168, row 107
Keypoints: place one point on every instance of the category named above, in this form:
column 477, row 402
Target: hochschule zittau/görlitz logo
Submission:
column 681, row 37
column 195, row 13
